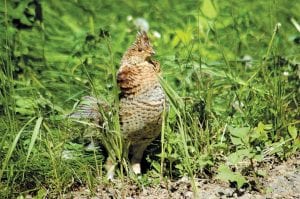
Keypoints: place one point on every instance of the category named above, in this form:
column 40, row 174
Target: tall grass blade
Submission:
column 34, row 136
column 12, row 148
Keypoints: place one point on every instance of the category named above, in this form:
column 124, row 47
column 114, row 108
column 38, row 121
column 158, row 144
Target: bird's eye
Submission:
column 140, row 49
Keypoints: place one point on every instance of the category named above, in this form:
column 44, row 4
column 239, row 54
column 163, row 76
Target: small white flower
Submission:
column 278, row 25
column 141, row 24
column 156, row 34
column 129, row 18
column 247, row 59
column 237, row 105
column 285, row 73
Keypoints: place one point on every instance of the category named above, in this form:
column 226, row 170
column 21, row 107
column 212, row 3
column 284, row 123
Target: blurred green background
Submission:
column 47, row 42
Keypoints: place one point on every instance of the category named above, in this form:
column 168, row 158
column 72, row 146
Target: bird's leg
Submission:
column 137, row 152
column 110, row 168
column 112, row 161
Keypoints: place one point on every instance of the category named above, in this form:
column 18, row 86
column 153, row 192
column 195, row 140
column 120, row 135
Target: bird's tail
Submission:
column 90, row 108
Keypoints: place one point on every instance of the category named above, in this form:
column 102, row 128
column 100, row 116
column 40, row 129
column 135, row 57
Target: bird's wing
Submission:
column 89, row 108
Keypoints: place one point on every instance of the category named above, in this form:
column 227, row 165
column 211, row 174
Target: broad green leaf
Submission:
column 156, row 166
column 234, row 158
column 225, row 173
column 260, row 132
column 239, row 136
column 179, row 167
column 184, row 36
column 258, row 157
column 236, row 140
column 268, row 127
column 240, row 180
column 239, row 132
column 292, row 131
column 239, row 155
column 255, row 134
column 260, row 127
column 42, row 193
column 208, row 9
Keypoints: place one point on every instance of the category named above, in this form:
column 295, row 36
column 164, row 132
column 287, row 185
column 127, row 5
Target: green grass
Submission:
column 53, row 53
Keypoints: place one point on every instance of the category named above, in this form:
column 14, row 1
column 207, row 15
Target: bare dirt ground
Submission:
column 282, row 181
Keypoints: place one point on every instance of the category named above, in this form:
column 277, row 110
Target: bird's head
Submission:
column 141, row 50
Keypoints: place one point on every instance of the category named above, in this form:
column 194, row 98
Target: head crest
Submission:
column 142, row 40
column 142, row 33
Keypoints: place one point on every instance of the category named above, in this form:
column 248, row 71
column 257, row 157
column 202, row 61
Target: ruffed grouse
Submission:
column 142, row 100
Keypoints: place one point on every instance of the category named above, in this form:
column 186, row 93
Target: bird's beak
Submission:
column 152, row 52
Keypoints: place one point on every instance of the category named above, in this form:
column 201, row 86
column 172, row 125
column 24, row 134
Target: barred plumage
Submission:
column 142, row 101
column 142, row 98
